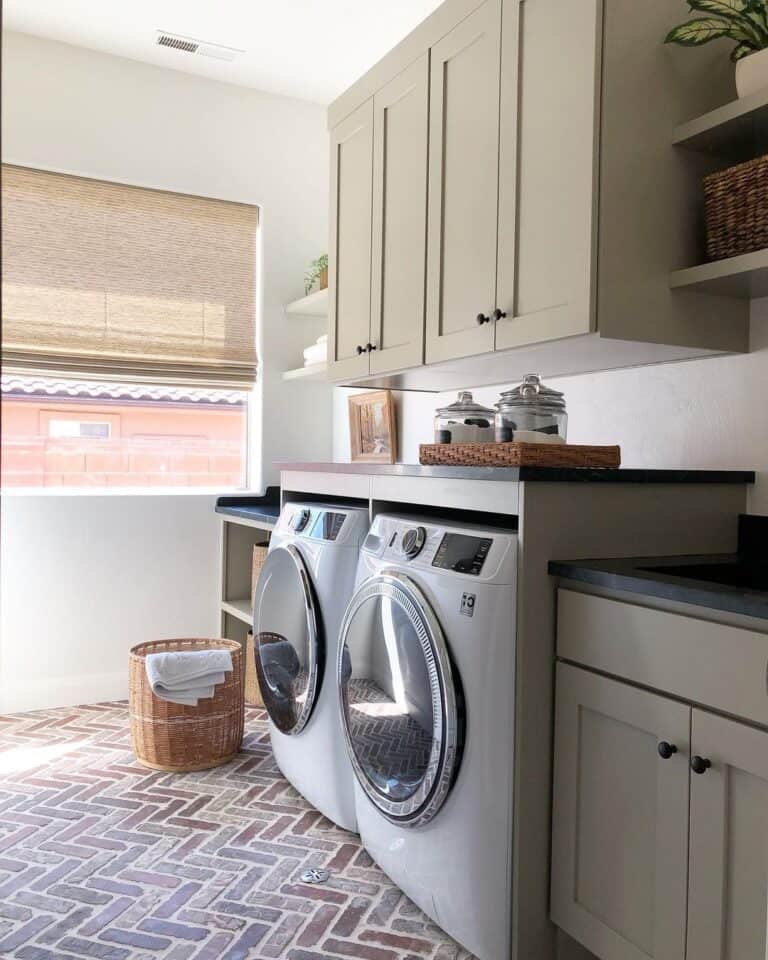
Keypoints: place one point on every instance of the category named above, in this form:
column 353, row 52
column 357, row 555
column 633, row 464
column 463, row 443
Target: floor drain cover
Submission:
column 315, row 875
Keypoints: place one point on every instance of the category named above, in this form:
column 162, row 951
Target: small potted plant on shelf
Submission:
column 317, row 273
column 743, row 21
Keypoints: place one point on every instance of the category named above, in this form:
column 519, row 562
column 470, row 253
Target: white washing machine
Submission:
column 302, row 591
column 426, row 671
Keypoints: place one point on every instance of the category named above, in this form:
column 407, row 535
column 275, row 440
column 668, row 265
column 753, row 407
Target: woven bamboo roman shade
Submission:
column 111, row 281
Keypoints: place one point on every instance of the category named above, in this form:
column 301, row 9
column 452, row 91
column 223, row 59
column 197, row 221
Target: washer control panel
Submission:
column 462, row 553
column 418, row 544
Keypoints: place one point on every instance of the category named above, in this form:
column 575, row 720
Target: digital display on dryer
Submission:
column 328, row 525
column 462, row 554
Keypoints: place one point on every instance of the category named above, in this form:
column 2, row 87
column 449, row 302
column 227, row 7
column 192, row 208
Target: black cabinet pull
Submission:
column 481, row 319
column 498, row 315
column 667, row 750
column 370, row 346
column 359, row 349
column 700, row 764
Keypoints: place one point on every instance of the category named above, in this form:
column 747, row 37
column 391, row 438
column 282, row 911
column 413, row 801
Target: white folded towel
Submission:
column 187, row 676
column 316, row 353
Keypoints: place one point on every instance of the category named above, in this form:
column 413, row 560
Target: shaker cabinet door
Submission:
column 349, row 255
column 400, row 133
column 463, row 186
column 547, row 150
column 620, row 819
column 729, row 841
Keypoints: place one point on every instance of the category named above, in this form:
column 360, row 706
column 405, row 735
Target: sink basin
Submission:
column 742, row 575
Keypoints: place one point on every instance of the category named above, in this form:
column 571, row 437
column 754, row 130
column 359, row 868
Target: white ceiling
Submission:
column 311, row 49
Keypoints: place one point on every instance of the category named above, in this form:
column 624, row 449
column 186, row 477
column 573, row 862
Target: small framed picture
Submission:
column 372, row 433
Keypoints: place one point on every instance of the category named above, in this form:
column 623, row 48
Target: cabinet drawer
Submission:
column 720, row 666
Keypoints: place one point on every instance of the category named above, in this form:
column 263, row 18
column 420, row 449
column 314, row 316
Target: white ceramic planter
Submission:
column 752, row 73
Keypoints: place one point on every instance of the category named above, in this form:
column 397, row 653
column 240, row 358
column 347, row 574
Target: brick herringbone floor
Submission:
column 101, row 858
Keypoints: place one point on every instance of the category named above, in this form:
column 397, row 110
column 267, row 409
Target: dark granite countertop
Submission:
column 260, row 509
column 680, row 578
column 528, row 474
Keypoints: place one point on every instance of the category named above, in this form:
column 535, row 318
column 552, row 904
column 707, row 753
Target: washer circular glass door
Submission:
column 286, row 640
column 399, row 703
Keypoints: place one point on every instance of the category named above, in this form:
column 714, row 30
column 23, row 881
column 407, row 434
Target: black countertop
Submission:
column 632, row 574
column 527, row 474
column 264, row 509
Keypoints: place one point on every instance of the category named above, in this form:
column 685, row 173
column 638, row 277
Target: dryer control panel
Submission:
column 329, row 523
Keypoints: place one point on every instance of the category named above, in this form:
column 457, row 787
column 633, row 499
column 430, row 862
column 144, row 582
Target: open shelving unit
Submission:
column 730, row 134
column 239, row 535
column 313, row 371
column 734, row 132
column 744, row 277
column 313, row 305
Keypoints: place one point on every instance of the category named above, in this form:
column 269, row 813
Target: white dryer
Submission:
column 302, row 591
column 426, row 672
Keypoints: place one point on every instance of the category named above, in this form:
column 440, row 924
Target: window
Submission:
column 76, row 433
column 78, row 428
column 129, row 334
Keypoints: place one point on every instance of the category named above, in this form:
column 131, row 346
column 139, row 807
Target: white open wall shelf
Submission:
column 315, row 305
column 731, row 134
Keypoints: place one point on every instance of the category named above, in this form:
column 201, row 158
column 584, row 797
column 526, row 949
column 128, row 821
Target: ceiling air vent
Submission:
column 200, row 48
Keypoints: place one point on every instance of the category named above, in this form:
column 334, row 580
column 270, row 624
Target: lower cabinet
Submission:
column 620, row 842
column 660, row 829
column 728, row 893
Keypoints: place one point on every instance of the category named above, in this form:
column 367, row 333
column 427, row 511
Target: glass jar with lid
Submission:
column 464, row 421
column 532, row 413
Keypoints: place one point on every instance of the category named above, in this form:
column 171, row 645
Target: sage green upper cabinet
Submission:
column 557, row 206
column 349, row 256
column 400, row 112
column 463, row 186
column 729, row 842
column 548, row 136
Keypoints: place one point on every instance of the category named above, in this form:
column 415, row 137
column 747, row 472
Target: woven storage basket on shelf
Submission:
column 177, row 738
column 258, row 560
column 736, row 202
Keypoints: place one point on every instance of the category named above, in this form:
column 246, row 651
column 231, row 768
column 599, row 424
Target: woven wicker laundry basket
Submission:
column 178, row 738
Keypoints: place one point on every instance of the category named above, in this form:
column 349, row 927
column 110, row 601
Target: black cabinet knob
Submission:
column 498, row 315
column 667, row 750
column 359, row 349
column 700, row 764
column 481, row 319
column 370, row 346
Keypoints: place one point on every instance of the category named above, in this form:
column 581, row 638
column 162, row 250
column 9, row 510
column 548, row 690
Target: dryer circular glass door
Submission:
column 286, row 639
column 399, row 701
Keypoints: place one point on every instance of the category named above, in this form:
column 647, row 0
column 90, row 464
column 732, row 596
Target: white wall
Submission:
column 699, row 413
column 85, row 577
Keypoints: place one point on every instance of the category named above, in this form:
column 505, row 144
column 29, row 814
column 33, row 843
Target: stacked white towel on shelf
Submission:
column 318, row 352
column 186, row 676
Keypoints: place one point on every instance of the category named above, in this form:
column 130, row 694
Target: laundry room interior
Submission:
column 384, row 480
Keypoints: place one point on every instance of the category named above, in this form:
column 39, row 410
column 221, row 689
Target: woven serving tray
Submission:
column 518, row 455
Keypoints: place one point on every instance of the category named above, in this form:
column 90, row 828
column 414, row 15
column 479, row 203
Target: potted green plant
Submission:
column 317, row 273
column 743, row 21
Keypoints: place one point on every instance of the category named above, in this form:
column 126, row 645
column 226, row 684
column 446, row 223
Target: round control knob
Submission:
column 413, row 541
column 700, row 764
column 667, row 750
column 300, row 520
